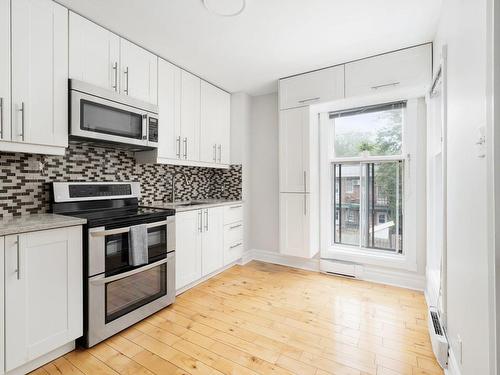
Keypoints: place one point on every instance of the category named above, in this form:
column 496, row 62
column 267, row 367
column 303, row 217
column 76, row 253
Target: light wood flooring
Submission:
column 268, row 319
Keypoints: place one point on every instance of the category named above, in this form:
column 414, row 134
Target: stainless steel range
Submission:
column 118, row 294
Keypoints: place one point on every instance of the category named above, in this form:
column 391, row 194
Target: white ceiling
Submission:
column 270, row 39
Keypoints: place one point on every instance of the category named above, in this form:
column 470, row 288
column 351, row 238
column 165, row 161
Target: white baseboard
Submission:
column 40, row 361
column 284, row 260
column 370, row 273
column 205, row 278
column 453, row 367
column 246, row 257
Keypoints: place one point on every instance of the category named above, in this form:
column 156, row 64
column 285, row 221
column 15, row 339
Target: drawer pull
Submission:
column 309, row 100
column 386, row 85
column 235, row 206
column 236, row 226
column 236, row 245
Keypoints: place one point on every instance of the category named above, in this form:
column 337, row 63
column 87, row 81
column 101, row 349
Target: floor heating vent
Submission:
column 438, row 338
column 339, row 268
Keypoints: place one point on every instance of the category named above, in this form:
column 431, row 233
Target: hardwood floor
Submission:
column 268, row 319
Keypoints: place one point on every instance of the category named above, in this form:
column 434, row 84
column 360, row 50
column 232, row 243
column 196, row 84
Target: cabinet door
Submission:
column 225, row 128
column 406, row 68
column 139, row 72
column 294, row 150
column 294, row 218
column 94, row 53
column 213, row 240
column 169, row 104
column 188, row 226
column 2, row 304
column 43, row 293
column 39, row 72
column 5, row 70
column 190, row 116
column 212, row 122
column 310, row 88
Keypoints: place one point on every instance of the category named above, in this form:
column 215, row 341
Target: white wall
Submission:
column 463, row 27
column 264, row 186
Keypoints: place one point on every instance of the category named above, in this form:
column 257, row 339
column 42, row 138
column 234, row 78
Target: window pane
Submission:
column 347, row 204
column 374, row 131
column 384, row 206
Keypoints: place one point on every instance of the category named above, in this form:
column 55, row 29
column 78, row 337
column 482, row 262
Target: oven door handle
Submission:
column 106, row 280
column 111, row 232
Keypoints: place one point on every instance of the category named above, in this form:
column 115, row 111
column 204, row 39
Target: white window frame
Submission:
column 368, row 256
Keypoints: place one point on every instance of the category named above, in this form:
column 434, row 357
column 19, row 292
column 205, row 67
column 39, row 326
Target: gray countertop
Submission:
column 195, row 205
column 36, row 222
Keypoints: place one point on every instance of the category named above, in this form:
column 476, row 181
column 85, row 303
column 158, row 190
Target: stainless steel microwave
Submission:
column 101, row 115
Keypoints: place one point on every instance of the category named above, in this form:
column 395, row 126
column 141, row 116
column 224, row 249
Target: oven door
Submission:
column 105, row 120
column 119, row 301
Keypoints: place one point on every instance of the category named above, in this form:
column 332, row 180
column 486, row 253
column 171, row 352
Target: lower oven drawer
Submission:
column 119, row 301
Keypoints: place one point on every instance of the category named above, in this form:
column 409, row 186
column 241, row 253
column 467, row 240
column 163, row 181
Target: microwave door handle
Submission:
column 104, row 233
column 145, row 127
column 135, row 271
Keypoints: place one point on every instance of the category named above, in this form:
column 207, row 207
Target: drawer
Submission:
column 233, row 233
column 312, row 88
column 233, row 252
column 233, row 213
column 410, row 67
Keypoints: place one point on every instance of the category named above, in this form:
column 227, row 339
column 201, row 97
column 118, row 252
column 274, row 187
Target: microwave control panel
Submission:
column 153, row 130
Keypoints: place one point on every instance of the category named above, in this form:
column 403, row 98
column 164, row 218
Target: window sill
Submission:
column 369, row 257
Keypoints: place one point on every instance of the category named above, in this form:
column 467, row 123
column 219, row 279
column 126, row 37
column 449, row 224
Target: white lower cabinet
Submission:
column 2, row 308
column 202, row 243
column 43, row 293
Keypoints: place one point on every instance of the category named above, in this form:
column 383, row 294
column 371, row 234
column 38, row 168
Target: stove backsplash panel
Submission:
column 25, row 178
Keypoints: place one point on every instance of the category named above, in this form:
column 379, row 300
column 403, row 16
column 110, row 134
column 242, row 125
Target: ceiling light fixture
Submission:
column 225, row 8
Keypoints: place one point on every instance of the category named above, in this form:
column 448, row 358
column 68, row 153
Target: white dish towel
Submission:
column 138, row 245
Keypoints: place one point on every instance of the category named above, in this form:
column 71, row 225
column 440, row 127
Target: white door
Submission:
column 190, row 116
column 139, row 77
column 294, row 219
column 224, row 103
column 43, row 293
column 188, row 227
column 94, row 53
column 310, row 88
column 212, row 257
column 169, row 104
column 294, row 150
column 210, row 126
column 5, row 70
column 39, row 72
column 2, row 304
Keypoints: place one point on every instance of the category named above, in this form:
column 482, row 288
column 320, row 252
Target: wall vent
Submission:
column 438, row 337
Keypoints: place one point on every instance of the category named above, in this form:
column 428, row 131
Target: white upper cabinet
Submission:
column 411, row 67
column 94, row 53
column 139, row 69
column 215, row 124
column 5, row 69
column 43, row 293
column 39, row 72
column 311, row 88
column 190, row 116
column 294, row 150
column 169, row 105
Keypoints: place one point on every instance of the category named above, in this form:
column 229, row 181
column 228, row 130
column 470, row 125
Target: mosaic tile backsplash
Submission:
column 25, row 178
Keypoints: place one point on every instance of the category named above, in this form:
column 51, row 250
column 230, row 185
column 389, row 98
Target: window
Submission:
column 368, row 178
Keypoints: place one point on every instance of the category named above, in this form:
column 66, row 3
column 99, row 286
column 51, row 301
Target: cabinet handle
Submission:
column 385, row 85
column 18, row 270
column 126, row 80
column 185, row 148
column 235, row 206
column 115, row 68
column 200, row 224
column 206, row 221
column 309, row 100
column 305, row 182
column 215, row 152
column 220, row 153
column 236, row 226
column 178, row 147
column 305, row 204
column 1, row 118
column 22, row 110
column 236, row 245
